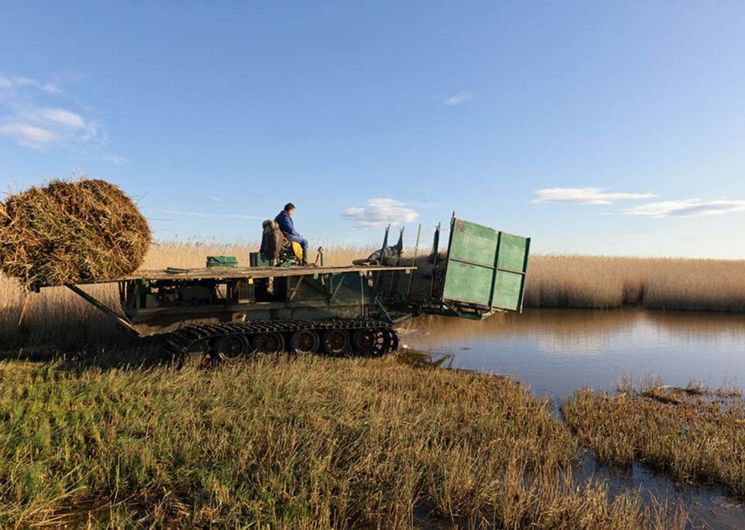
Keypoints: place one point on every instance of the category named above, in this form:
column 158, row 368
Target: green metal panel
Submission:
column 485, row 267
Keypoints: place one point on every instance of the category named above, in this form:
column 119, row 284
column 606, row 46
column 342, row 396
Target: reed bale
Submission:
column 69, row 232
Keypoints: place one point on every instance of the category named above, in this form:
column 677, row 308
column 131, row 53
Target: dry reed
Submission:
column 56, row 316
column 68, row 232
column 658, row 283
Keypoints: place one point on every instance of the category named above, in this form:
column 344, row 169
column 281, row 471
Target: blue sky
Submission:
column 613, row 127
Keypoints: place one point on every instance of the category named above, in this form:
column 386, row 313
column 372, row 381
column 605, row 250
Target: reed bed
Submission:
column 657, row 283
column 291, row 443
column 691, row 433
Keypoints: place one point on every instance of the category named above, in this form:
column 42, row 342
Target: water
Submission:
column 555, row 352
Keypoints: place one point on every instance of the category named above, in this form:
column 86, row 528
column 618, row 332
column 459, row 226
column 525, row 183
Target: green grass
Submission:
column 300, row 443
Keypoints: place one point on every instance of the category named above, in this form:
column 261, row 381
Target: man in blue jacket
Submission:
column 284, row 220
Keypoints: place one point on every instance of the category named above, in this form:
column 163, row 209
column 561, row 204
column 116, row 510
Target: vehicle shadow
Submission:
column 121, row 354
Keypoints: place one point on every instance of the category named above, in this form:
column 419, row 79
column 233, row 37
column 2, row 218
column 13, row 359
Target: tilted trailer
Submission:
column 229, row 312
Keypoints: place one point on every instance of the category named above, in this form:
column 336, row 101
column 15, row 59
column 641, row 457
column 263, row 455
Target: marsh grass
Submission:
column 291, row 443
column 692, row 433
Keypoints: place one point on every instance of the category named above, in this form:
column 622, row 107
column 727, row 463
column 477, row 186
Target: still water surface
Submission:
column 555, row 352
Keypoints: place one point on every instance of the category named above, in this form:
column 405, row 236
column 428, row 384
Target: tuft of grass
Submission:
column 693, row 433
column 309, row 442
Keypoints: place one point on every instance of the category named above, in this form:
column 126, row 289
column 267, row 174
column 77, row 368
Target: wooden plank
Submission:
column 217, row 273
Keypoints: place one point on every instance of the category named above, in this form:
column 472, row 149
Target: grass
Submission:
column 692, row 433
column 291, row 443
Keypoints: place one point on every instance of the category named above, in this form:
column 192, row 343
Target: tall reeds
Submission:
column 56, row 316
column 659, row 283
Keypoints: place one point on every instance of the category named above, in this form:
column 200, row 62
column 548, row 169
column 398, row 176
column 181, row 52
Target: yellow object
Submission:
column 297, row 249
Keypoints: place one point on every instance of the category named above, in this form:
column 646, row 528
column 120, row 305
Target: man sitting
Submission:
column 284, row 219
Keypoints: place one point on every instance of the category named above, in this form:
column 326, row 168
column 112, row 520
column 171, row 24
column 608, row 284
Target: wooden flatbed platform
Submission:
column 237, row 273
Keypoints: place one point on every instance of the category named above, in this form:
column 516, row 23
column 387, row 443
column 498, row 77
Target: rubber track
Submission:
column 183, row 339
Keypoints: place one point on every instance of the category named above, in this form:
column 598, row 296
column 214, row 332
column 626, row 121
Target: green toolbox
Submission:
column 222, row 261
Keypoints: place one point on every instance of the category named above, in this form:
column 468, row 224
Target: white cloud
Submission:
column 379, row 212
column 458, row 99
column 688, row 208
column 116, row 159
column 584, row 196
column 16, row 83
column 27, row 117
column 61, row 117
column 29, row 135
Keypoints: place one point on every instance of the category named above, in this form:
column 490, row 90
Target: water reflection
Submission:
column 557, row 351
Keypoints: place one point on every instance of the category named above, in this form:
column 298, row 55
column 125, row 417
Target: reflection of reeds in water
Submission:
column 551, row 330
column 559, row 322
column 574, row 331
column 58, row 316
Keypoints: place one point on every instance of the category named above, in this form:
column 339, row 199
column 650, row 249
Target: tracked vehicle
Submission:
column 229, row 312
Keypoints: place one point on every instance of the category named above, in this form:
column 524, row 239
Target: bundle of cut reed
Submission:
column 71, row 231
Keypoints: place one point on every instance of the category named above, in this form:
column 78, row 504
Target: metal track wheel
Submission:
column 370, row 342
column 269, row 342
column 335, row 342
column 305, row 341
column 392, row 340
column 231, row 347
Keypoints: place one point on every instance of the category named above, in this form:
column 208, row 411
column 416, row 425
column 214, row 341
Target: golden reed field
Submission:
column 59, row 317
column 658, row 283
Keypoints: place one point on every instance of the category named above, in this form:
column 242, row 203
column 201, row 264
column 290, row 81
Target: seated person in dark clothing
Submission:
column 284, row 219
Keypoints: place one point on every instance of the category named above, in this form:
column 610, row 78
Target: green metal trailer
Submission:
column 485, row 268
